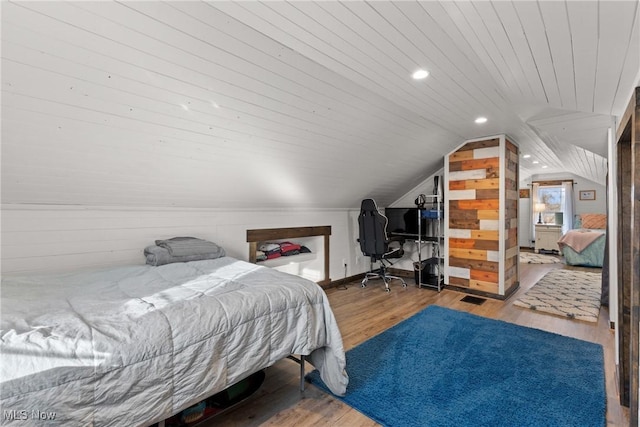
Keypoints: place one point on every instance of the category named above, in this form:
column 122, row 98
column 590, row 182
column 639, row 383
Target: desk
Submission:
column 428, row 271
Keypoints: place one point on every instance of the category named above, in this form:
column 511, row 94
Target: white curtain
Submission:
column 534, row 215
column 567, row 209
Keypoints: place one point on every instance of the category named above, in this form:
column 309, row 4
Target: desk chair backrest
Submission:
column 373, row 230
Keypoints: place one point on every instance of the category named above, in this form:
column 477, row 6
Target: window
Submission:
column 552, row 203
column 553, row 199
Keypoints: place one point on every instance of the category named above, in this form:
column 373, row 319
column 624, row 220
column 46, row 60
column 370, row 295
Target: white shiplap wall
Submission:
column 45, row 239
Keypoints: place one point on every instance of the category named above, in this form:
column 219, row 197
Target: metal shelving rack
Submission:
column 435, row 240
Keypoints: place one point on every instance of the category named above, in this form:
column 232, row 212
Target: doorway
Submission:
column 628, row 260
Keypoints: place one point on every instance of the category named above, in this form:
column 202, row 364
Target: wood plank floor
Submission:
column 363, row 313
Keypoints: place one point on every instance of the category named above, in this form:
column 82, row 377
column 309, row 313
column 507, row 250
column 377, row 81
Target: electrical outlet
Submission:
column 357, row 260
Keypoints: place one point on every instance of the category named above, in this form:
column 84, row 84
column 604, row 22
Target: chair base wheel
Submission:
column 386, row 278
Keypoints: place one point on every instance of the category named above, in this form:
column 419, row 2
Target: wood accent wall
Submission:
column 482, row 236
column 512, row 251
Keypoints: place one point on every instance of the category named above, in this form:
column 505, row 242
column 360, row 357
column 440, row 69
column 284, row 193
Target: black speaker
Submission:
column 437, row 190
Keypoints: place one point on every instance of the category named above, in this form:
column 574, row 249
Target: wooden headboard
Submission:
column 591, row 221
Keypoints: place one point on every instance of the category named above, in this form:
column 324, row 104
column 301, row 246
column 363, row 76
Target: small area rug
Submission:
column 533, row 258
column 443, row 367
column 568, row 293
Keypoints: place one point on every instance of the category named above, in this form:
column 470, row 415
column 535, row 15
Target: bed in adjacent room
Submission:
column 585, row 244
column 135, row 345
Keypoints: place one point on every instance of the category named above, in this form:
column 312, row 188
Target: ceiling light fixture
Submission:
column 544, row 166
column 420, row 74
column 526, row 156
column 535, row 162
column 481, row 120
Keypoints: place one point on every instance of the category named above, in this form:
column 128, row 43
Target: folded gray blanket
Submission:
column 181, row 249
column 186, row 246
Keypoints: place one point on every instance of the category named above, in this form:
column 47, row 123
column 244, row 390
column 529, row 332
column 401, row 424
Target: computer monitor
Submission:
column 404, row 222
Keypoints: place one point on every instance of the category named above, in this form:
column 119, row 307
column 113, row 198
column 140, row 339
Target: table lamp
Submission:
column 539, row 207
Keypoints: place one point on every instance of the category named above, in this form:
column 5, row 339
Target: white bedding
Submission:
column 134, row 345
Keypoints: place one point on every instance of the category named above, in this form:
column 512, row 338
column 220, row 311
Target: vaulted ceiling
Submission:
column 299, row 104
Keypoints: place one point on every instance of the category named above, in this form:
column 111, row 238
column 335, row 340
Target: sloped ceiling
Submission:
column 299, row 104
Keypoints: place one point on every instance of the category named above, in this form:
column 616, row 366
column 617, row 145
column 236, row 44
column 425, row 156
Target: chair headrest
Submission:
column 368, row 205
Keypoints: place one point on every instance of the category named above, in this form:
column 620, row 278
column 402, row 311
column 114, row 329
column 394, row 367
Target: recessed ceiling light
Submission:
column 526, row 156
column 481, row 120
column 535, row 162
column 544, row 166
column 420, row 74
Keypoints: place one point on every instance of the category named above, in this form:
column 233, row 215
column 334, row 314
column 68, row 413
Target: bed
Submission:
column 585, row 244
column 134, row 345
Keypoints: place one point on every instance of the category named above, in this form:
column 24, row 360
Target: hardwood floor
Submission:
column 363, row 313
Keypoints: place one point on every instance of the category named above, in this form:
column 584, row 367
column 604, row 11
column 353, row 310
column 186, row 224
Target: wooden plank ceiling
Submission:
column 299, row 104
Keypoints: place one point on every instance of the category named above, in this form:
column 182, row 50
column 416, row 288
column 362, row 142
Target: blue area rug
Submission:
column 442, row 367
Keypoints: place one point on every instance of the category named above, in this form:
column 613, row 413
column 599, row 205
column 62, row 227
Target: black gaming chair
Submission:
column 375, row 244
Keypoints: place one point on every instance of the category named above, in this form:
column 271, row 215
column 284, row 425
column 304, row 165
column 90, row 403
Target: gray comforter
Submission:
column 134, row 345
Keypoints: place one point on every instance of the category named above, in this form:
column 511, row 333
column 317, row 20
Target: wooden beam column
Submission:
column 481, row 223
